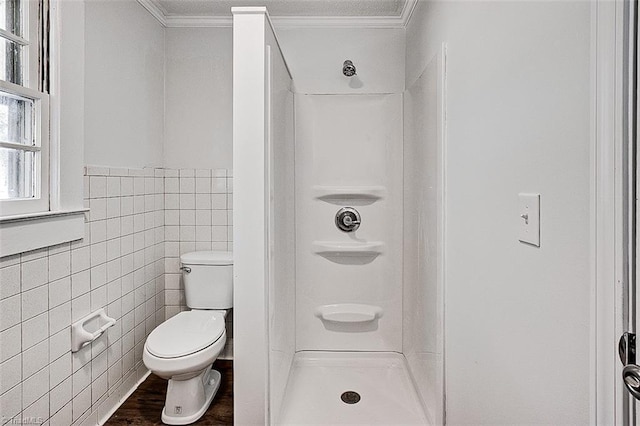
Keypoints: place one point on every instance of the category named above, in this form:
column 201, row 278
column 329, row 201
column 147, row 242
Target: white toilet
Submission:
column 183, row 348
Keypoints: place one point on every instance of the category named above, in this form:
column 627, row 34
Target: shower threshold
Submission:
column 350, row 388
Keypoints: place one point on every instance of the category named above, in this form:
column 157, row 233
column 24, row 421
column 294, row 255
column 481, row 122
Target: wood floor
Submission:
column 144, row 406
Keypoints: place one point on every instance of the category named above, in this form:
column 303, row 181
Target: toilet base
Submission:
column 188, row 400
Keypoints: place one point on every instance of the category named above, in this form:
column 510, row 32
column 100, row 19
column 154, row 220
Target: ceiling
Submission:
column 285, row 8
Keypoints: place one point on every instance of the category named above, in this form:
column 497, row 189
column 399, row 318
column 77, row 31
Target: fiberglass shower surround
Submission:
column 329, row 236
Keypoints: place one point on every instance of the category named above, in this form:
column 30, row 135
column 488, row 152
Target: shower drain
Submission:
column 350, row 397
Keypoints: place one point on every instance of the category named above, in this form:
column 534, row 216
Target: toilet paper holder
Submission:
column 81, row 336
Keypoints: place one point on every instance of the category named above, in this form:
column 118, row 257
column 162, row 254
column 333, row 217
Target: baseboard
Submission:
column 227, row 352
column 114, row 408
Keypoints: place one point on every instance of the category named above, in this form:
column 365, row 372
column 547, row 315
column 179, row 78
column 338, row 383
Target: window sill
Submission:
column 23, row 233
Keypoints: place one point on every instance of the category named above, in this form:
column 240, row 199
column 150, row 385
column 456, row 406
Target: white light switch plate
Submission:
column 529, row 217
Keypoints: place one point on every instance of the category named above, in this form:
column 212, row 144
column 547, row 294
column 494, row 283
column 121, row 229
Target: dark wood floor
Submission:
column 144, row 406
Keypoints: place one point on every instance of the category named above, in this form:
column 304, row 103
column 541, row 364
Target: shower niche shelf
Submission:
column 358, row 194
column 349, row 313
column 343, row 252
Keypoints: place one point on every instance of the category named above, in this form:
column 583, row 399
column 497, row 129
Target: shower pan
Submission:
column 339, row 250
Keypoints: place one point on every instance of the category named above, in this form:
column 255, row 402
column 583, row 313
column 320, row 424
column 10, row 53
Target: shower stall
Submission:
column 338, row 242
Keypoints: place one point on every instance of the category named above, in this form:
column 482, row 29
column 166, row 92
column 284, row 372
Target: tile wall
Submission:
column 140, row 221
column 198, row 216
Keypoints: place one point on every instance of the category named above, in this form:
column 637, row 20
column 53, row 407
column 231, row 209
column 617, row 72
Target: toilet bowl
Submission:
column 183, row 348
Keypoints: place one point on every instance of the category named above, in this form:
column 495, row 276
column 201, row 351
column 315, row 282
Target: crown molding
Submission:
column 407, row 11
column 175, row 21
column 155, row 9
column 172, row 21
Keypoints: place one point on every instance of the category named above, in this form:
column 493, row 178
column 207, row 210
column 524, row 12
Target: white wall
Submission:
column 316, row 55
column 282, row 230
column 198, row 98
column 516, row 316
column 423, row 307
column 124, row 85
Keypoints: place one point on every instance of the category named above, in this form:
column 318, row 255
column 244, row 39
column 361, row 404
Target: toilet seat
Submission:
column 186, row 333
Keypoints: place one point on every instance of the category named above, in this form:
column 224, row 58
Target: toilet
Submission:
column 183, row 348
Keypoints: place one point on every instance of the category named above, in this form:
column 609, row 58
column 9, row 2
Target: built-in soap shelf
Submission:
column 348, row 313
column 340, row 194
column 89, row 328
column 340, row 249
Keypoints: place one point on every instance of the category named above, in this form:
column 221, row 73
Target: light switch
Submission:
column 529, row 212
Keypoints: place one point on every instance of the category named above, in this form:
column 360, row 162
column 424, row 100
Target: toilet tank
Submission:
column 208, row 279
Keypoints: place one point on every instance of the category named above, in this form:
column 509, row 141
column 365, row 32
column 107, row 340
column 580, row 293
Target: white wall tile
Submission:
column 81, row 403
column 11, row 342
column 10, row 373
column 219, row 201
column 35, row 273
column 98, row 208
column 10, row 312
column 62, row 416
column 81, row 378
column 9, row 281
column 59, row 344
column 97, row 187
column 35, row 330
column 59, row 397
column 60, row 371
column 59, row 265
column 218, row 185
column 11, row 402
column 80, row 259
column 187, row 201
column 80, row 283
column 136, row 230
column 113, row 187
column 35, row 302
column 98, row 253
column 35, row 359
column 60, row 318
column 59, row 292
column 98, row 276
column 80, row 307
column 35, row 386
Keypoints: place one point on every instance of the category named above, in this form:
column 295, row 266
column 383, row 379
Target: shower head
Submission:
column 348, row 68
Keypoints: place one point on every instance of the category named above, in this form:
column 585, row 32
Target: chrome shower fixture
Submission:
column 348, row 68
column 348, row 219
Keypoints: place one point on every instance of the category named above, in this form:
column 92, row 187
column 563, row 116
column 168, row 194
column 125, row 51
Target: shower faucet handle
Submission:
column 348, row 219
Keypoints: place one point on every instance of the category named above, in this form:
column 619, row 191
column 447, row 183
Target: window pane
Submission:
column 16, row 119
column 17, row 170
column 11, row 61
column 10, row 16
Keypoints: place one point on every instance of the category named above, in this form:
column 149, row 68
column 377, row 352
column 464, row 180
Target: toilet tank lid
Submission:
column 219, row 258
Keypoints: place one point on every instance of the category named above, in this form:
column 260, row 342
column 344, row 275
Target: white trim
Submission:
column 14, row 38
column 249, row 201
column 19, row 236
column 198, row 21
column 106, row 416
column 40, row 115
column 36, row 216
column 407, row 11
column 155, row 9
column 212, row 21
column 606, row 394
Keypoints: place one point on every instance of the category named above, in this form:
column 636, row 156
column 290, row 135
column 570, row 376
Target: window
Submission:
column 24, row 107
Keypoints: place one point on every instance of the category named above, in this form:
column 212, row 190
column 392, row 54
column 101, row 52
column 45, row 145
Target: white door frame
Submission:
column 609, row 399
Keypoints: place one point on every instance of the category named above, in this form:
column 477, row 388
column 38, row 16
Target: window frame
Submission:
column 33, row 87
column 40, row 202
